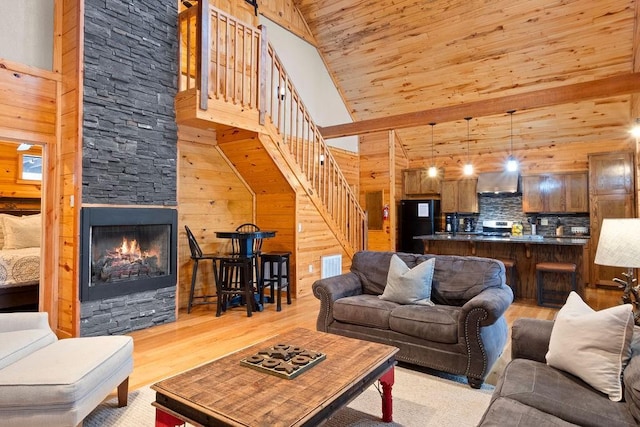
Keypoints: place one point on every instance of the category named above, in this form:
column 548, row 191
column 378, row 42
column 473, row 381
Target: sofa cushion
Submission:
column 506, row 412
column 18, row 344
column 593, row 345
column 556, row 392
column 64, row 373
column 432, row 323
column 409, row 285
column 631, row 378
column 364, row 310
column 457, row 279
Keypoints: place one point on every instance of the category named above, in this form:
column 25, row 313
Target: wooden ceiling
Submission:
column 392, row 57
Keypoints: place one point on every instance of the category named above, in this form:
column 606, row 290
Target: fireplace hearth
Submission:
column 126, row 250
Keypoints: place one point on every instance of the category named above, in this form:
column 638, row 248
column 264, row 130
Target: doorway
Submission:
column 21, row 184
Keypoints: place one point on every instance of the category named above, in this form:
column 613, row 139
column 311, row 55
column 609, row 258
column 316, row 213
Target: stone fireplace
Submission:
column 129, row 150
column 127, row 268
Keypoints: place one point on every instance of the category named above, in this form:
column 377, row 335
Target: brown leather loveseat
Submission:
column 463, row 333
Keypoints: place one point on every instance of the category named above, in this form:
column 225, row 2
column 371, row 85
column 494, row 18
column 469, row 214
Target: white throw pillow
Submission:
column 21, row 231
column 409, row 285
column 592, row 345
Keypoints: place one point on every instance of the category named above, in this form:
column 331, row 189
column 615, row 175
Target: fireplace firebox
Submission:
column 126, row 250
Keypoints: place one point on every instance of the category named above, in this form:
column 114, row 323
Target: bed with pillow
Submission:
column 20, row 237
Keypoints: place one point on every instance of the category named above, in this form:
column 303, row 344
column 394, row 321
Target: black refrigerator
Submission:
column 417, row 217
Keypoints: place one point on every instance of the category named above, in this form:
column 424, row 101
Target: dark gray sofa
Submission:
column 531, row 393
column 464, row 333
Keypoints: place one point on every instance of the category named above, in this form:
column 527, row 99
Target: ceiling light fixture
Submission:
column 433, row 171
column 23, row 147
column 512, row 163
column 468, row 168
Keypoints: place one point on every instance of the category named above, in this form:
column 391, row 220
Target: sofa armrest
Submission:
column 22, row 321
column 530, row 339
column 492, row 301
column 331, row 289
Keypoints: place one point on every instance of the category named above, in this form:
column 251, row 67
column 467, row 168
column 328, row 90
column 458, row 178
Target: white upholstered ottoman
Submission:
column 60, row 384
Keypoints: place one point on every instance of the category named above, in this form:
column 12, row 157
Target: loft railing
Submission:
column 233, row 62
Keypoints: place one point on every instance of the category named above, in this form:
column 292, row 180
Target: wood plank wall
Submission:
column 315, row 240
column 349, row 163
column 68, row 155
column 377, row 173
column 211, row 197
column 10, row 183
column 286, row 14
column 566, row 157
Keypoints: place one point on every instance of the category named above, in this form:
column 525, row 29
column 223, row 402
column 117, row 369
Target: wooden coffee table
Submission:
column 226, row 392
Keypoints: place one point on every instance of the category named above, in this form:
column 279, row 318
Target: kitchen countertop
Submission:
column 527, row 238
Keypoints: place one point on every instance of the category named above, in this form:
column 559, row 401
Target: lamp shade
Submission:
column 619, row 244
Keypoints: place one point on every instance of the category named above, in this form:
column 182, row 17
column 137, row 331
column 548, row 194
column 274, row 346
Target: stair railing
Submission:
column 231, row 61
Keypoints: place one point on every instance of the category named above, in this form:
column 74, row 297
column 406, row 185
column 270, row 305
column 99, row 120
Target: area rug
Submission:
column 419, row 399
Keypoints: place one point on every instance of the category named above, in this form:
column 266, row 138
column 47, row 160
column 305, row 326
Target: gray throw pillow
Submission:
column 409, row 285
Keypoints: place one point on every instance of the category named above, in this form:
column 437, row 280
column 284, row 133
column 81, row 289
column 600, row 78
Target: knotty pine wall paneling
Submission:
column 349, row 163
column 287, row 15
column 211, row 197
column 377, row 170
column 29, row 112
column 10, row 183
column 68, row 165
column 314, row 240
column 400, row 163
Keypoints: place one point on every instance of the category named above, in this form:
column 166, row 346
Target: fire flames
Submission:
column 126, row 262
column 130, row 248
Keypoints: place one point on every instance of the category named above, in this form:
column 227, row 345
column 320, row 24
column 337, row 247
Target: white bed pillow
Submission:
column 21, row 231
column 592, row 345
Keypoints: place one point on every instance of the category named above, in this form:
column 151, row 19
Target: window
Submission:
column 29, row 167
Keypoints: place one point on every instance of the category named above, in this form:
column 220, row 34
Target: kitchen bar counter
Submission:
column 527, row 238
column 526, row 250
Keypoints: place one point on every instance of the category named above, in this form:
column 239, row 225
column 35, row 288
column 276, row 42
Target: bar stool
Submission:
column 197, row 255
column 257, row 247
column 274, row 267
column 554, row 267
column 510, row 267
column 234, row 280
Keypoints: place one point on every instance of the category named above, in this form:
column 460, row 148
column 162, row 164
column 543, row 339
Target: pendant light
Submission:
column 468, row 168
column 512, row 163
column 433, row 171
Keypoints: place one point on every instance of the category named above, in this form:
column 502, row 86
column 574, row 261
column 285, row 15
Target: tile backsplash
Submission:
column 509, row 208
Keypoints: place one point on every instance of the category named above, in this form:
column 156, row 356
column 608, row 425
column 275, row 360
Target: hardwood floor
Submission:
column 198, row 337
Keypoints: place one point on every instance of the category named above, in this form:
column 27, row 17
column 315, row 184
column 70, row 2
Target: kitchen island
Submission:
column 526, row 250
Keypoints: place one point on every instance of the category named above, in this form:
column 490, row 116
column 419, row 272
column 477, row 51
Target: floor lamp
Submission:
column 619, row 246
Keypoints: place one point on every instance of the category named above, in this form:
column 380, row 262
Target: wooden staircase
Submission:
column 232, row 80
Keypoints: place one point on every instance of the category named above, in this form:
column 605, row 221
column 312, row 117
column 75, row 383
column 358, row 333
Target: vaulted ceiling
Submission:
column 391, row 57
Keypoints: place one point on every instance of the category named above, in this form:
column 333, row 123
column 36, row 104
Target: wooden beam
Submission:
column 577, row 92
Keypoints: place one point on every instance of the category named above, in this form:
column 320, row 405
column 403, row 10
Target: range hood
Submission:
column 498, row 183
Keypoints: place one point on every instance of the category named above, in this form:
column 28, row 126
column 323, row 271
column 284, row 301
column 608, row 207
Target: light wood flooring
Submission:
column 200, row 336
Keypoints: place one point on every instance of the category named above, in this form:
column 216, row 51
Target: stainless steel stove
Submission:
column 499, row 228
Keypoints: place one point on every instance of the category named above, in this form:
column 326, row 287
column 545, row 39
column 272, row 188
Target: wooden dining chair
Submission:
column 197, row 255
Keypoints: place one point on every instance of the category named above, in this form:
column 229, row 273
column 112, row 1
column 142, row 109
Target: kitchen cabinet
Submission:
column 611, row 173
column 555, row 193
column 417, row 182
column 611, row 195
column 459, row 196
column 576, row 192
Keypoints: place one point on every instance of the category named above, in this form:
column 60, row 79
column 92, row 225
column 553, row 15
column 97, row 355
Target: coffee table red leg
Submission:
column 167, row 420
column 387, row 381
